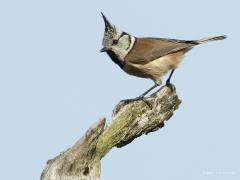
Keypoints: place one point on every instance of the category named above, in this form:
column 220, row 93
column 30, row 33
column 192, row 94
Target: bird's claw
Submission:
column 168, row 83
column 137, row 99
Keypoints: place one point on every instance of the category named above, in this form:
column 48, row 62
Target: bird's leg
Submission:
column 146, row 92
column 170, row 76
column 141, row 97
column 168, row 83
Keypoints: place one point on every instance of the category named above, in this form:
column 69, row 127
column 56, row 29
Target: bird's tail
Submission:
column 205, row 40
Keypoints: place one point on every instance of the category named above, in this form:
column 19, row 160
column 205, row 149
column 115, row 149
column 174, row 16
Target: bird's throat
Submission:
column 115, row 58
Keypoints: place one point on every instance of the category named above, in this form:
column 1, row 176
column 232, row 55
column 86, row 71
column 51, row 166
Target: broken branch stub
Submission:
column 129, row 121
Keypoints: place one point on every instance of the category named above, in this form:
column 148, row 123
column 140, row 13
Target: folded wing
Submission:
column 146, row 50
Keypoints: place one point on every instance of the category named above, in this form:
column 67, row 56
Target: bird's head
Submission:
column 115, row 40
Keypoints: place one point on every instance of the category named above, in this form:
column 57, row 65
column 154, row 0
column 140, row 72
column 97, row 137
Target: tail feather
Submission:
column 216, row 38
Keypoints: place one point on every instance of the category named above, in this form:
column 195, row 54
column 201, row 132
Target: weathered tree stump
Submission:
column 129, row 121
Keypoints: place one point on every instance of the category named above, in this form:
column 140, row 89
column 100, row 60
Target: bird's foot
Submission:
column 168, row 82
column 132, row 100
column 170, row 85
column 142, row 98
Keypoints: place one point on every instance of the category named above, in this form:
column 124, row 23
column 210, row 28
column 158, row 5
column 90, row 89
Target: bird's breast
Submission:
column 156, row 68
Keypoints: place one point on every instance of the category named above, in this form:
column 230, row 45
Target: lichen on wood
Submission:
column 129, row 121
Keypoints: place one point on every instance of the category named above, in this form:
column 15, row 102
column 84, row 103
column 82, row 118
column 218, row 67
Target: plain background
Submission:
column 54, row 84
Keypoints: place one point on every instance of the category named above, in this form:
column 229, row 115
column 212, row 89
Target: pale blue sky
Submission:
column 55, row 84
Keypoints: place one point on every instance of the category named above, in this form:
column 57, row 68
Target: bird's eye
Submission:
column 115, row 41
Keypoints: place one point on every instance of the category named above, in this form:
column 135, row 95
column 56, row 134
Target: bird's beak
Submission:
column 103, row 49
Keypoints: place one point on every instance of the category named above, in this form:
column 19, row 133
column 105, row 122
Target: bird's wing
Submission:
column 149, row 49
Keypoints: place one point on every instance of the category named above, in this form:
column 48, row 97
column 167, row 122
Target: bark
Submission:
column 129, row 121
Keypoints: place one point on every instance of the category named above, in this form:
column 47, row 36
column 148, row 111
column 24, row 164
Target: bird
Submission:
column 146, row 57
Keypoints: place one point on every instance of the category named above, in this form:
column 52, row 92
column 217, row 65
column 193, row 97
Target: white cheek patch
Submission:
column 123, row 43
column 129, row 46
column 123, row 47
